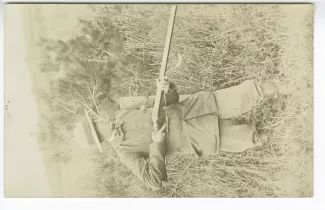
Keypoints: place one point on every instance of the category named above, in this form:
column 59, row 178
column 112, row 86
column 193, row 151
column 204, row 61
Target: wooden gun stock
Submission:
column 160, row 94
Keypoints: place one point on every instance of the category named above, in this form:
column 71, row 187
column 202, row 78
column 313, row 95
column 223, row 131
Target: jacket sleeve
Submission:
column 135, row 102
column 151, row 171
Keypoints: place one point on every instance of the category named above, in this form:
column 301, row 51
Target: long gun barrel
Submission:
column 159, row 94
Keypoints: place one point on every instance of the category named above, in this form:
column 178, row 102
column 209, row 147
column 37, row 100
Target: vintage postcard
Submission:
column 159, row 100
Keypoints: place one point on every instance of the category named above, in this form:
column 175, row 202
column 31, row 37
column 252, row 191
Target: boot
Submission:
column 261, row 138
column 274, row 88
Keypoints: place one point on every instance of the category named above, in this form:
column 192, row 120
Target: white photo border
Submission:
column 194, row 203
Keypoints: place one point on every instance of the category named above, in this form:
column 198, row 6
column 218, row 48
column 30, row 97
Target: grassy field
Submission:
column 213, row 47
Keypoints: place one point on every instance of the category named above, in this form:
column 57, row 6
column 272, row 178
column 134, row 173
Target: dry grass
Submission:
column 215, row 47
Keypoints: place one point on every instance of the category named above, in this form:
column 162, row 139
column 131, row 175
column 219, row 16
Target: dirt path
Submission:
column 60, row 179
column 24, row 169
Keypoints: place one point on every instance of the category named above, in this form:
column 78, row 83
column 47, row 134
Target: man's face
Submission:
column 104, row 130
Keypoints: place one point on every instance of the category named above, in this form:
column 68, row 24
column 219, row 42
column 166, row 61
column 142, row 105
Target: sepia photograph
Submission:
column 158, row 100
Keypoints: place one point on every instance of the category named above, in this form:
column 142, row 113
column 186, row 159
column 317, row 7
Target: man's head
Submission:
column 88, row 132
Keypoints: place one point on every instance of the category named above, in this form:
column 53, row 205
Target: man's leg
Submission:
column 234, row 101
column 239, row 99
column 237, row 138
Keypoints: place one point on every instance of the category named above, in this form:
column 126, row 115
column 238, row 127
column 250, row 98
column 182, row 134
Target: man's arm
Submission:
column 151, row 171
column 135, row 102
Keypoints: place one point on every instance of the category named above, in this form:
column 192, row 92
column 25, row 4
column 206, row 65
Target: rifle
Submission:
column 156, row 112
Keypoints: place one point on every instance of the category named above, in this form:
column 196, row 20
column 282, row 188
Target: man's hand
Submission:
column 163, row 85
column 160, row 136
column 170, row 90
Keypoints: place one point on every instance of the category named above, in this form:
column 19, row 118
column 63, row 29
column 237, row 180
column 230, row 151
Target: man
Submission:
column 200, row 123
